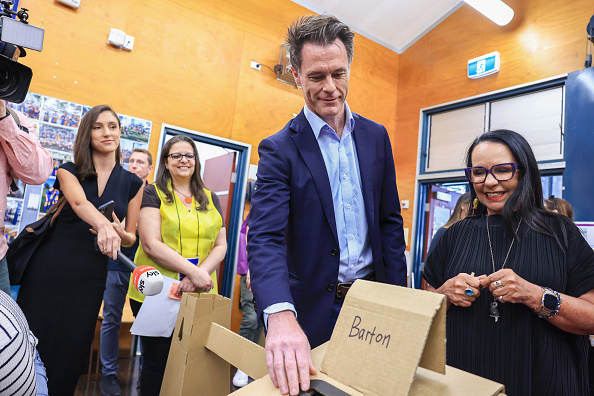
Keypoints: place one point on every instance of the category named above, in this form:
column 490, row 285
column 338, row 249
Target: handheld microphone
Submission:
column 146, row 279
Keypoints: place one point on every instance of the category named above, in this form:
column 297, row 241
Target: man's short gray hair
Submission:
column 317, row 29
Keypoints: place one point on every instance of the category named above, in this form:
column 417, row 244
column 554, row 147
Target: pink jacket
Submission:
column 21, row 157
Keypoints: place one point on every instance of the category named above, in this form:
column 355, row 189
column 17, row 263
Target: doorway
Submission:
column 224, row 169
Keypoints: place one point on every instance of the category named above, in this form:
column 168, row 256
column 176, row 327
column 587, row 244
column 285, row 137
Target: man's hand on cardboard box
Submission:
column 288, row 354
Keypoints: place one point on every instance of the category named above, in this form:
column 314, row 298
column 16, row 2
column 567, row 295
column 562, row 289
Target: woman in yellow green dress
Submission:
column 182, row 234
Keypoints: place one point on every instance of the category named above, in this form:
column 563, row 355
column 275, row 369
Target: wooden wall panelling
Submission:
column 265, row 19
column 264, row 104
column 545, row 39
column 190, row 63
column 361, row 101
column 170, row 75
column 375, row 64
column 373, row 87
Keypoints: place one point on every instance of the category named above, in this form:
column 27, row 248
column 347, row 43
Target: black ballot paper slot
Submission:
column 322, row 388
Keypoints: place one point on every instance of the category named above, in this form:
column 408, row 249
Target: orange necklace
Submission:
column 188, row 199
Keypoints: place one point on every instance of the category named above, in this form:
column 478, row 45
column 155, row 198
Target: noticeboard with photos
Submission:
column 56, row 123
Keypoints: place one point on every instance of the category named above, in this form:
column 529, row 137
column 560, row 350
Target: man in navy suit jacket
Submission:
column 325, row 211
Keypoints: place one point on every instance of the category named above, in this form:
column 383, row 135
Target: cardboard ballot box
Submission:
column 388, row 340
column 203, row 326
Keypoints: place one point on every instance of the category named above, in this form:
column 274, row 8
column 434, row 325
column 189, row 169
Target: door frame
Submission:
column 239, row 194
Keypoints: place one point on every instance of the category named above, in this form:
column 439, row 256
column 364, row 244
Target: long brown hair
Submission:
column 83, row 150
column 560, row 205
column 458, row 214
column 164, row 177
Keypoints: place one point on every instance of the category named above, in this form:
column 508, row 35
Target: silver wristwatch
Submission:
column 550, row 304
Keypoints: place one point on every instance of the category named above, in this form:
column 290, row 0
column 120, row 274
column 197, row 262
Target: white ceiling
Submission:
column 395, row 24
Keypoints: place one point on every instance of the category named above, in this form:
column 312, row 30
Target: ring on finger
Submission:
column 497, row 283
column 469, row 292
column 501, row 299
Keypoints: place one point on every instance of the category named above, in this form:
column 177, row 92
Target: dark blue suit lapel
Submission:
column 366, row 156
column 309, row 150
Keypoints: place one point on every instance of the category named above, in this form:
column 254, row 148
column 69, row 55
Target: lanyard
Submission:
column 180, row 232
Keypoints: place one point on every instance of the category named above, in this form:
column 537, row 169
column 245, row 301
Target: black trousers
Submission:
column 155, row 351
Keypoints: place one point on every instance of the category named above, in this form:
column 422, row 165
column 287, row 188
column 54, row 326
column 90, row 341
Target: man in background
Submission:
column 325, row 211
column 114, row 297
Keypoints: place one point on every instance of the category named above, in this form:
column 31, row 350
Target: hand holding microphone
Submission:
column 146, row 279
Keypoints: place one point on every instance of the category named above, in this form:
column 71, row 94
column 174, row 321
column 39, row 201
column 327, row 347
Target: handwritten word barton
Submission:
column 364, row 335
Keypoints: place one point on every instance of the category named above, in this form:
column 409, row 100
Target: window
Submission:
column 450, row 135
column 538, row 116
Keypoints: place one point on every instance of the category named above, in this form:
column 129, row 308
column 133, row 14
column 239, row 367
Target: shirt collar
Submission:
column 317, row 123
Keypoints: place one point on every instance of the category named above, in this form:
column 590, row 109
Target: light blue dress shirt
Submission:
column 342, row 165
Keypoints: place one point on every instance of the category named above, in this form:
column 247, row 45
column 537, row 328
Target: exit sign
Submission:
column 484, row 65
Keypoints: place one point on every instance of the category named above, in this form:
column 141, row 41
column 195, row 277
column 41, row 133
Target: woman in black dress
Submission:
column 63, row 287
column 523, row 319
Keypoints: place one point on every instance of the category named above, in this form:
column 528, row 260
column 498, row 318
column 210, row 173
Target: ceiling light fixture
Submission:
column 495, row 10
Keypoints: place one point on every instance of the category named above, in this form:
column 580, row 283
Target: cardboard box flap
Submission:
column 197, row 311
column 380, row 296
column 174, row 376
column 188, row 355
column 434, row 357
column 240, row 352
column 380, row 336
column 183, row 327
column 199, row 346
column 265, row 387
column 426, row 383
column 205, row 304
column 188, row 302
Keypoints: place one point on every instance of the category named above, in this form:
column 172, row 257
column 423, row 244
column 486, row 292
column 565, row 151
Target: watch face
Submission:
column 550, row 302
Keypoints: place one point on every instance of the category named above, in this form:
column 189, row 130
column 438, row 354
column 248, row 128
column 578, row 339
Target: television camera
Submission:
column 15, row 35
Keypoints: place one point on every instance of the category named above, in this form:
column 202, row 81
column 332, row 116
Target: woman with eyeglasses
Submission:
column 182, row 234
column 519, row 281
